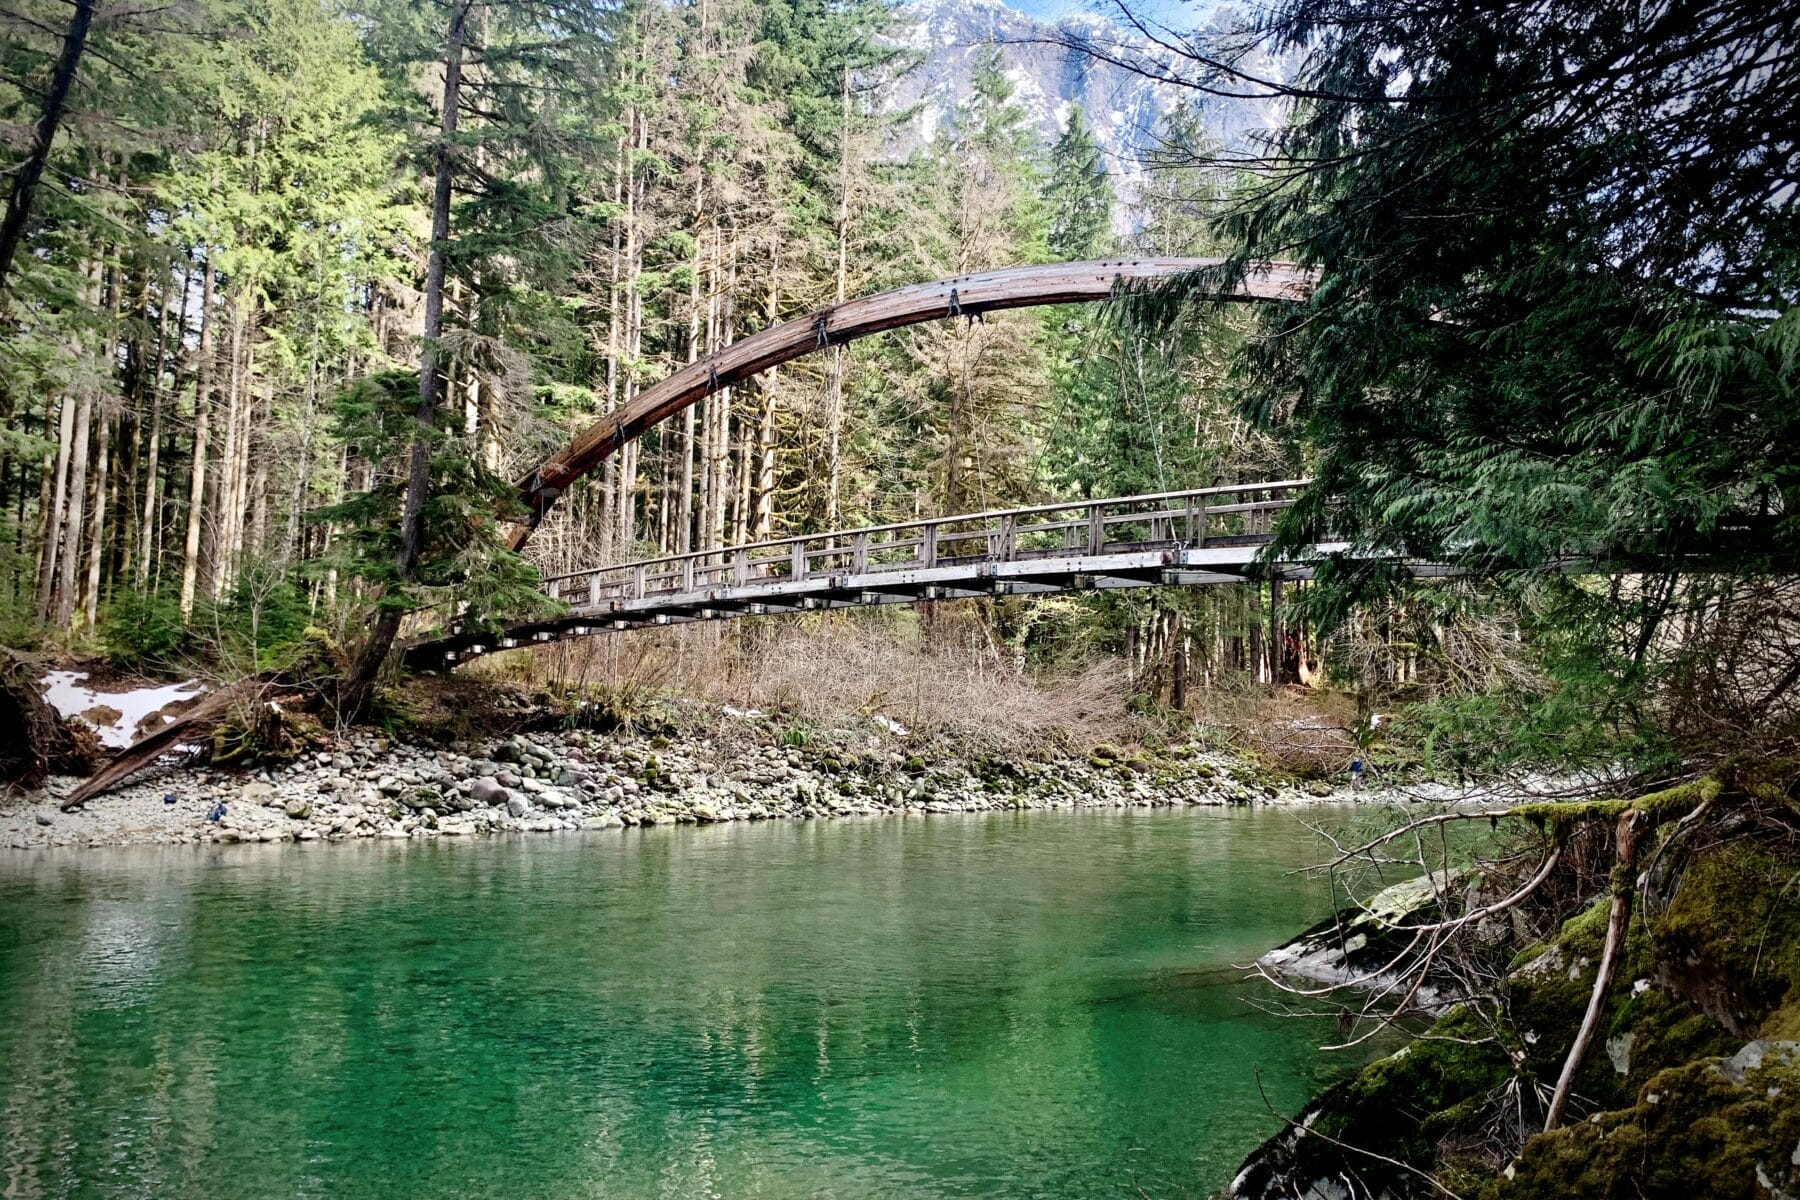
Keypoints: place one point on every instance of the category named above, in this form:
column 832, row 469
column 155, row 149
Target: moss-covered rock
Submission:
column 1669, row 1101
column 1719, row 1128
column 1729, row 943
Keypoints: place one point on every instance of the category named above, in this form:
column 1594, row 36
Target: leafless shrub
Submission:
column 1298, row 731
column 1436, row 641
column 947, row 684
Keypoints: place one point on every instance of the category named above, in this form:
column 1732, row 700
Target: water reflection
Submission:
column 987, row 1006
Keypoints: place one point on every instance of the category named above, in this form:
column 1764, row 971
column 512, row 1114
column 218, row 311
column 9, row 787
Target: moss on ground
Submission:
column 1665, row 1106
column 1711, row 1128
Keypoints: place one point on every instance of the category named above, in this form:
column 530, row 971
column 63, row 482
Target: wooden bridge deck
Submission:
column 1196, row 537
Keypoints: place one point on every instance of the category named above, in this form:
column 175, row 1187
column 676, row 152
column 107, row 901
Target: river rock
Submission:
column 488, row 790
column 1352, row 946
column 299, row 808
column 420, row 797
column 257, row 792
column 516, row 807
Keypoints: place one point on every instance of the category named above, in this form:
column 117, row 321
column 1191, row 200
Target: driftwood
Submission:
column 963, row 296
column 307, row 675
column 36, row 741
column 197, row 723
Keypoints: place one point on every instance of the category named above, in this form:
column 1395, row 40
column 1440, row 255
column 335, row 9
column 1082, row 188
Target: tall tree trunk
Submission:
column 203, row 398
column 359, row 683
column 149, row 532
column 97, row 528
column 834, row 393
column 614, row 259
column 765, row 430
column 626, row 532
column 56, row 98
column 224, row 480
column 53, row 525
column 68, row 582
column 719, row 469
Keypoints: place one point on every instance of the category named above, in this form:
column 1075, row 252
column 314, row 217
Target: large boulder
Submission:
column 488, row 790
column 1353, row 945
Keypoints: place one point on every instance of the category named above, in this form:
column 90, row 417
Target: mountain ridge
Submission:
column 1051, row 76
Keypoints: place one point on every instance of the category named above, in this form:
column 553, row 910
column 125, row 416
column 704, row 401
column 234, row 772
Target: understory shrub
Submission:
column 143, row 629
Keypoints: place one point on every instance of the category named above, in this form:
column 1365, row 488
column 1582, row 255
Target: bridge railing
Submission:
column 1083, row 528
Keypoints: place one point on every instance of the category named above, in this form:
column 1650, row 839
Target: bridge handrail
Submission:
column 923, row 523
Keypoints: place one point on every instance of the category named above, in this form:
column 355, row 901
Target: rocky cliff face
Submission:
column 1123, row 107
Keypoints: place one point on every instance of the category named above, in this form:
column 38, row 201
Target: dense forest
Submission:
column 293, row 292
column 246, row 244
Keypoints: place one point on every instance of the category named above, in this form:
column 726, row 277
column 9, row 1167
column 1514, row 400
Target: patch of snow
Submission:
column 888, row 723
column 743, row 714
column 67, row 695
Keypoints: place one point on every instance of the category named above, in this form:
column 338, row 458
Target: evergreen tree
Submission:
column 1079, row 195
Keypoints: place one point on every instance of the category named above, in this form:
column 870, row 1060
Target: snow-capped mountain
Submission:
column 1124, row 108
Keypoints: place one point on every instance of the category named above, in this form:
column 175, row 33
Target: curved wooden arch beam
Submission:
column 964, row 295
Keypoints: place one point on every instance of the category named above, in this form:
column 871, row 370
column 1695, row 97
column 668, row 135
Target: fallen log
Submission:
column 197, row 723
column 309, row 674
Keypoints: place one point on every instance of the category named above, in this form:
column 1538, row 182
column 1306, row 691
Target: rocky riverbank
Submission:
column 370, row 786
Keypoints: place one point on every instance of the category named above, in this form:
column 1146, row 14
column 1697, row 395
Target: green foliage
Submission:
column 142, row 629
column 1602, row 379
column 462, row 557
column 1552, row 322
column 1078, row 194
column 262, row 622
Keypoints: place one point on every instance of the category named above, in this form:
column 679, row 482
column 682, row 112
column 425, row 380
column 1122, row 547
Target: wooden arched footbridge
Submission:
column 961, row 296
column 1196, row 537
column 1200, row 536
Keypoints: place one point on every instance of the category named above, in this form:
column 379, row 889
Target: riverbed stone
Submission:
column 489, row 790
column 516, row 807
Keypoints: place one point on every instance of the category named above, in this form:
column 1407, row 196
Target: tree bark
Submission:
column 56, row 98
column 68, row 581
column 97, row 528
column 359, row 683
column 190, row 559
column 53, row 526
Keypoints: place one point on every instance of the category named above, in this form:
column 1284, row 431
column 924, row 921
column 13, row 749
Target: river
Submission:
column 1045, row 1005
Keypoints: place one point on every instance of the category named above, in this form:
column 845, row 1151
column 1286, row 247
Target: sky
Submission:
column 1177, row 13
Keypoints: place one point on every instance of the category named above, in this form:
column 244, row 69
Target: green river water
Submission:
column 1000, row 1006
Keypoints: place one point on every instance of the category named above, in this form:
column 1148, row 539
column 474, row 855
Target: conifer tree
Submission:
column 1079, row 194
